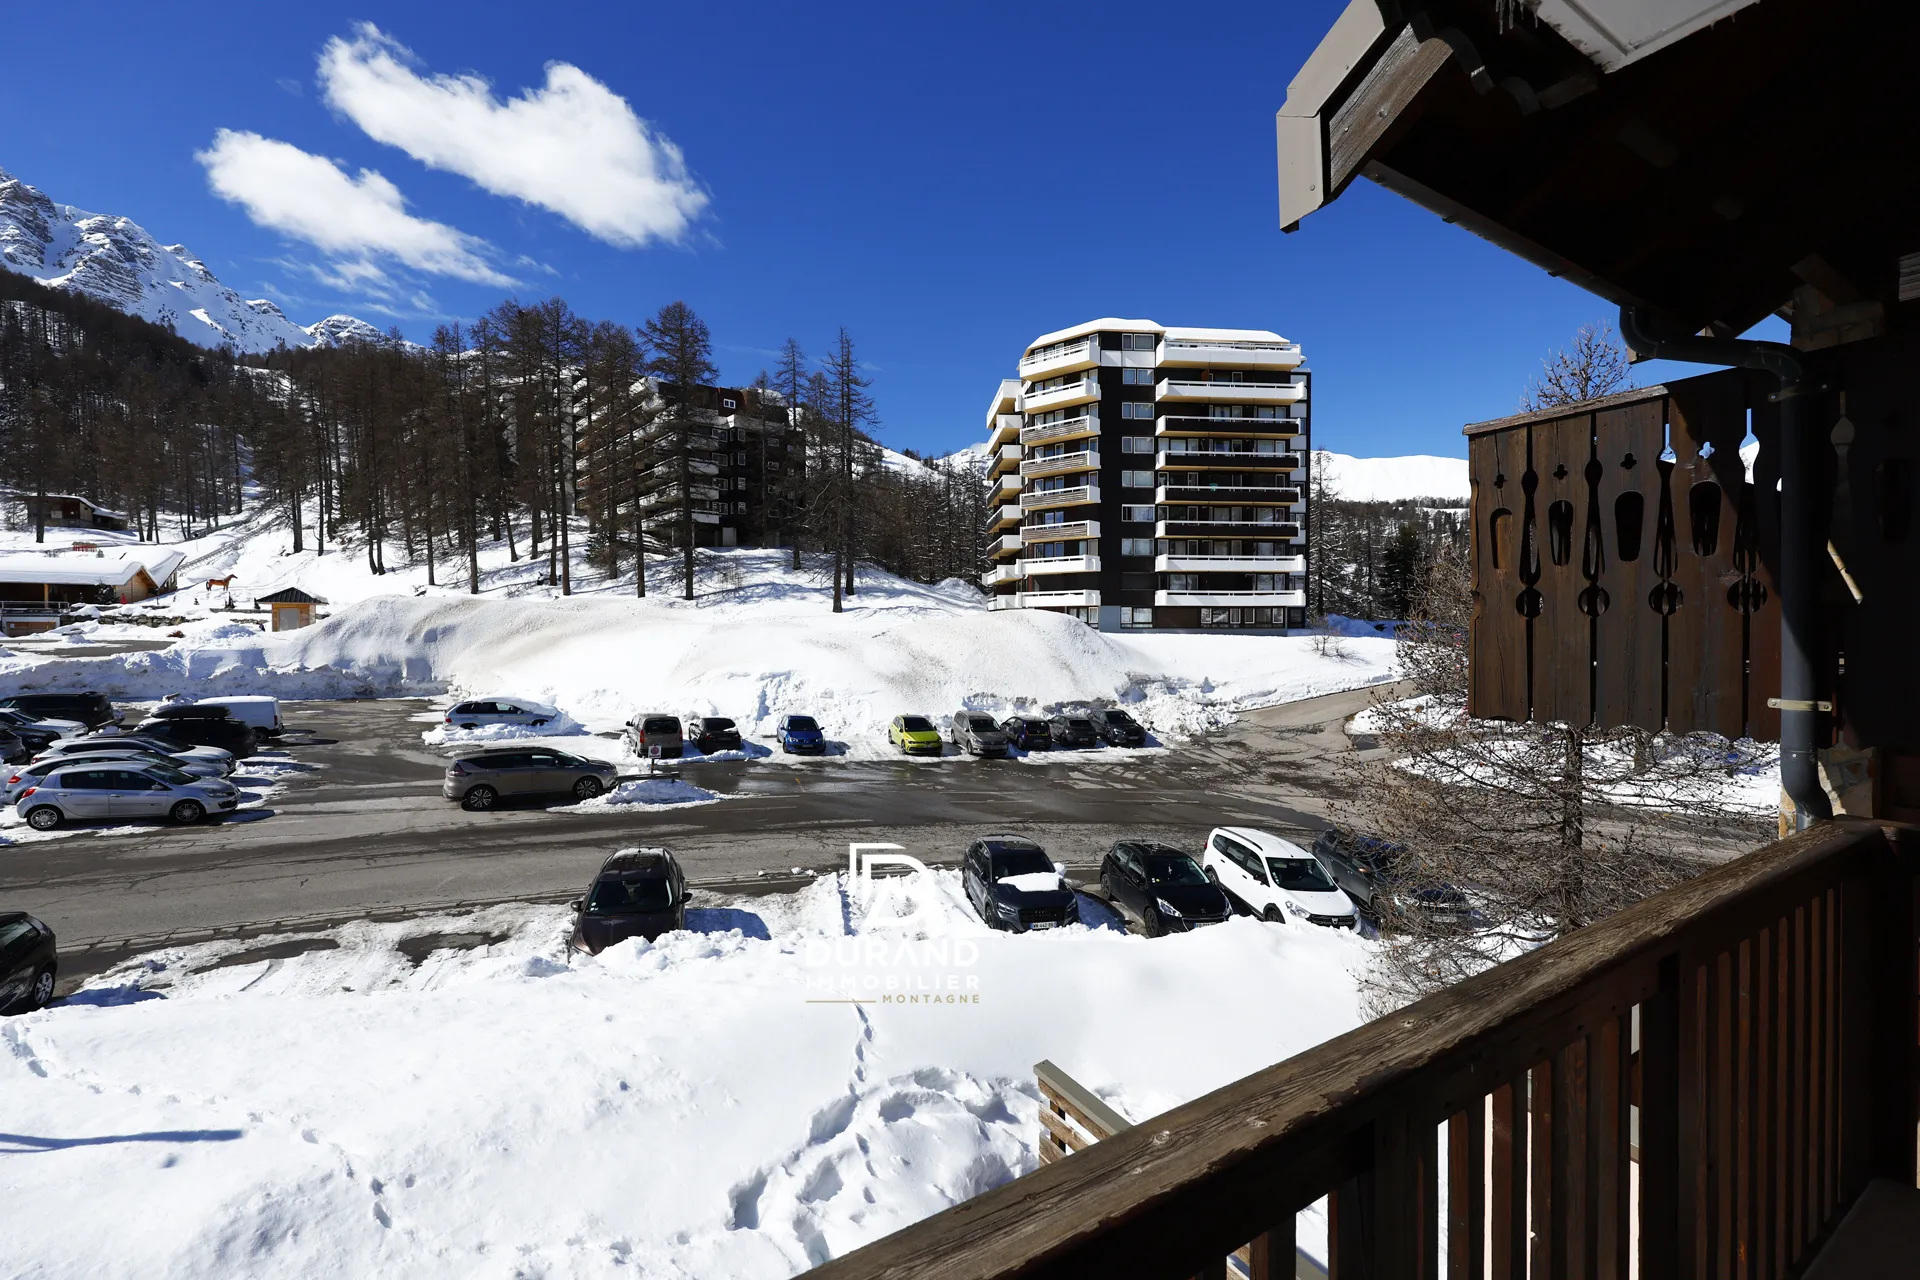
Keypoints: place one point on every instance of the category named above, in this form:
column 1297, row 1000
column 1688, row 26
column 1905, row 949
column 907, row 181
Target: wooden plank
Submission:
column 1660, row 1107
column 1894, row 1009
column 1509, row 1182
column 1797, row 1224
column 1831, row 1202
column 1780, row 1112
column 1629, row 657
column 1610, row 1127
column 1719, row 974
column 1705, row 644
column 1497, row 673
column 1391, row 83
column 1562, row 634
column 1350, row 1235
column 1086, row 1108
column 1572, row 1183
column 1544, row 1211
column 1061, row 1132
column 1746, row 1058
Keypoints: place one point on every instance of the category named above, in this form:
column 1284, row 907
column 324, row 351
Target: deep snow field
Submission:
column 707, row 1105
column 758, row 641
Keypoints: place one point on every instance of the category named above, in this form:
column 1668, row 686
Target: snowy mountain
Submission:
column 113, row 260
column 1392, row 479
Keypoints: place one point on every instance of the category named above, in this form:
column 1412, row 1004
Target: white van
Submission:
column 1275, row 878
column 256, row 709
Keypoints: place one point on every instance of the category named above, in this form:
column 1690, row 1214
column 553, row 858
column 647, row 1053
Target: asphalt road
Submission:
column 366, row 832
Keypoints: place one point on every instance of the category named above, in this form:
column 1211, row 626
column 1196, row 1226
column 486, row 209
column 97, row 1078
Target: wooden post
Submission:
column 1892, row 1007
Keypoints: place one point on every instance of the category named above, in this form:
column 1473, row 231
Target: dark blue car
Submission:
column 800, row 735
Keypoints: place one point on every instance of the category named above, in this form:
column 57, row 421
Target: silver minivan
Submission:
column 479, row 780
column 655, row 733
column 119, row 789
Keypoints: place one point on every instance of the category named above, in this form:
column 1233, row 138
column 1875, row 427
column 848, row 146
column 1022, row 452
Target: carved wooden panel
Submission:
column 1629, row 657
column 1562, row 633
column 1498, row 645
column 1706, row 639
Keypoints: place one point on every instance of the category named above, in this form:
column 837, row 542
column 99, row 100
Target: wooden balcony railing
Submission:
column 1751, row 1033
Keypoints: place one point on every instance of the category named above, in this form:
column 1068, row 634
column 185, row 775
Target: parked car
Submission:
column 1029, row 733
column 90, row 709
column 1368, row 870
column 122, row 743
column 1161, row 887
column 1117, row 729
column 12, row 747
column 259, row 711
column 220, row 731
column 1014, row 885
column 915, row 735
column 481, row 779
column 500, row 710
column 637, row 893
column 977, row 734
column 801, row 736
column 651, row 729
column 29, row 962
column 37, row 731
column 1275, row 878
column 709, row 734
column 18, row 778
column 1073, row 731
column 122, row 789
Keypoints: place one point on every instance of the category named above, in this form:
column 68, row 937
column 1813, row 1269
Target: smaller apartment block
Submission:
column 1152, row 478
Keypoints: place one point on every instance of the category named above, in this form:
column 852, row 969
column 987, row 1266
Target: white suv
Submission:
column 1275, row 878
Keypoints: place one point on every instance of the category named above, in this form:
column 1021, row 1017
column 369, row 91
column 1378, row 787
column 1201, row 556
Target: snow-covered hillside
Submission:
column 115, row 261
column 1393, row 479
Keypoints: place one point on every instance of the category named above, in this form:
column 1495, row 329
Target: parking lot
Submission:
column 359, row 828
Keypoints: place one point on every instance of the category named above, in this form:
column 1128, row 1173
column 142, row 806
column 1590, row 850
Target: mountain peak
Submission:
column 112, row 259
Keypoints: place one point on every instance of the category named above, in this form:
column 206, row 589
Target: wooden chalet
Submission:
column 1722, row 1080
column 71, row 511
column 292, row 608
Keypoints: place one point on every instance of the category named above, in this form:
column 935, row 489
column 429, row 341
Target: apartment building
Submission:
column 1147, row 477
column 741, row 478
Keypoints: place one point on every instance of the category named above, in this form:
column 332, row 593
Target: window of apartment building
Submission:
column 1137, row 515
column 1049, row 517
column 1054, row 550
column 1136, row 582
column 1138, row 341
column 1136, row 444
column 1139, row 409
column 1183, row 582
column 1136, row 479
column 1130, row 617
column 1136, row 377
column 1136, row 546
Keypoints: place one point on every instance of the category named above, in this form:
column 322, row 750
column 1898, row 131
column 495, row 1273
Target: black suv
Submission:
column 637, row 893
column 203, row 730
column 1370, row 871
column 1014, row 885
column 1074, row 731
column 28, row 961
column 712, row 733
column 1161, row 887
column 91, row 709
column 1118, row 729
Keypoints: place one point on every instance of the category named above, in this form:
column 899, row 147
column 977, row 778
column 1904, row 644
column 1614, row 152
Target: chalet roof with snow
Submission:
column 291, row 595
column 90, row 568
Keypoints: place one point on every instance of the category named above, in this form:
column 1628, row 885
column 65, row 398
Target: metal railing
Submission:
column 1085, row 425
column 1751, row 1032
column 1039, row 498
column 1059, row 353
column 1076, row 529
column 1085, row 460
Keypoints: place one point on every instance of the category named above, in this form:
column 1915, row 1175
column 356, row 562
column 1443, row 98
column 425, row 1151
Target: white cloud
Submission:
column 352, row 219
column 574, row 147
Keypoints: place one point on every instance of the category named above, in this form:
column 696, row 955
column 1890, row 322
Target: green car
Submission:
column 914, row 735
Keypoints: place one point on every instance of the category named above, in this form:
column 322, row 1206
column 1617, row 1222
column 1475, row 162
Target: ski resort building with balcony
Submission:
column 1147, row 477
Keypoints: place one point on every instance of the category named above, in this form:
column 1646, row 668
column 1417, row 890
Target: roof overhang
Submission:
column 1700, row 158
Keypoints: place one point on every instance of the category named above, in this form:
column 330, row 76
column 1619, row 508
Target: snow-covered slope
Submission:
column 115, row 261
column 1393, row 479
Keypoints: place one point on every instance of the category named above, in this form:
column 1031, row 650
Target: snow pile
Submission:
column 1393, row 479
column 651, row 792
column 707, row 1105
column 449, row 735
column 1033, row 882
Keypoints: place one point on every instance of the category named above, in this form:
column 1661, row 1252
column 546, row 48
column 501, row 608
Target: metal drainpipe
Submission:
column 1800, row 464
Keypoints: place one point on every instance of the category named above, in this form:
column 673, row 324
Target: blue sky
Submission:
column 946, row 182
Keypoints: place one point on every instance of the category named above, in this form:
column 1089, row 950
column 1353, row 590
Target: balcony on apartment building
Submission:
column 1002, row 573
column 1060, row 464
column 1250, row 354
column 1037, row 566
column 1005, row 545
column 1078, row 428
column 1177, row 563
column 1059, row 599
column 1239, row 459
column 1008, row 487
column 1178, row 424
column 1072, row 531
column 1059, row 358
column 1208, row 597
column 1003, row 459
column 1075, row 391
column 1003, row 516
column 1201, row 491
column 1010, row 600
column 1044, row 499
column 1245, row 391
column 1005, row 429
column 1228, row 526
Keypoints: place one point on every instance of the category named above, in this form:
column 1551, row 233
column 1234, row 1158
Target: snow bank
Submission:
column 651, row 791
column 1393, row 479
column 707, row 1105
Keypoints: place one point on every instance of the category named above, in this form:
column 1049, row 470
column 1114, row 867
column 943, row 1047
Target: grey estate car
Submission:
column 976, row 733
column 119, row 789
column 480, row 780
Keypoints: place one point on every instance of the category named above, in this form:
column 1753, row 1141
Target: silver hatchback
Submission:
column 121, row 789
column 481, row 780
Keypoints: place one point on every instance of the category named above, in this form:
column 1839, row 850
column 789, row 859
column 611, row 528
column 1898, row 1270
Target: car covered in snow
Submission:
column 975, row 733
column 915, row 736
column 1074, row 730
column 481, row 779
column 1014, row 885
column 637, row 893
column 499, row 709
column 1161, row 887
column 119, row 790
column 1275, row 879
column 656, row 734
column 1029, row 733
column 709, row 734
column 1117, row 729
column 89, row 708
column 800, row 736
column 29, row 960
